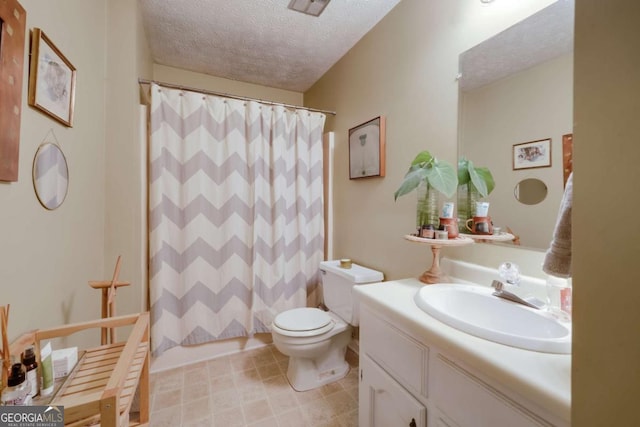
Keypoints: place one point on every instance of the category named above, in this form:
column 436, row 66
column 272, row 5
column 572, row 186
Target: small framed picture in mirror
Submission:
column 534, row 154
column 567, row 156
column 367, row 149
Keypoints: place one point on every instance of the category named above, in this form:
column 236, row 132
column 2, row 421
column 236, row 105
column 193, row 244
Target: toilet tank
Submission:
column 337, row 287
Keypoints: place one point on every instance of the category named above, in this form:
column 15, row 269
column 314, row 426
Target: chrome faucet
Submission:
column 510, row 273
column 500, row 292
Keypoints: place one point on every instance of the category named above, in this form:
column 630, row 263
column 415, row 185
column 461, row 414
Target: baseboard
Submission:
column 354, row 346
column 177, row 357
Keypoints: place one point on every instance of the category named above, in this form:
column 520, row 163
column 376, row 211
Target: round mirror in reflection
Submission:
column 530, row 191
column 50, row 175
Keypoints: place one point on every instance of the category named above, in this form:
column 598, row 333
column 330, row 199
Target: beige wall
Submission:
column 178, row 76
column 404, row 69
column 533, row 104
column 47, row 257
column 125, row 207
column 606, row 345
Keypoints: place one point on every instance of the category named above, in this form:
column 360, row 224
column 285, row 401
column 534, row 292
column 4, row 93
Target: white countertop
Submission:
column 544, row 379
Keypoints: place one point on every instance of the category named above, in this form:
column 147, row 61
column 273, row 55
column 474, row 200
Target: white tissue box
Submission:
column 63, row 361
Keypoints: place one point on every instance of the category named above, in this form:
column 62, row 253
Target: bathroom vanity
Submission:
column 416, row 371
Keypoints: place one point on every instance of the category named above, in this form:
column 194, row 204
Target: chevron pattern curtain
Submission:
column 236, row 219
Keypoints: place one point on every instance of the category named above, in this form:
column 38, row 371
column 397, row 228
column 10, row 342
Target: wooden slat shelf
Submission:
column 101, row 388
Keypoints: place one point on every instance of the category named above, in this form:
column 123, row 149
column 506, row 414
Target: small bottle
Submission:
column 427, row 231
column 30, row 364
column 17, row 391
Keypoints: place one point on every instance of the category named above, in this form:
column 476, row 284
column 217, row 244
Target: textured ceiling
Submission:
column 257, row 41
column 541, row 37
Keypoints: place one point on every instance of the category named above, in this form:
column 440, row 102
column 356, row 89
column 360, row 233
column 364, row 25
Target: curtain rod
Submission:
column 242, row 98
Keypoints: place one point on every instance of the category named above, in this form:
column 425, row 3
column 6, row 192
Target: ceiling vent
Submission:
column 310, row 7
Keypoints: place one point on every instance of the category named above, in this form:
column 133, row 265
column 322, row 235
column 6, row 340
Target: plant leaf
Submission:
column 482, row 180
column 487, row 177
column 423, row 158
column 463, row 172
column 411, row 181
column 443, row 177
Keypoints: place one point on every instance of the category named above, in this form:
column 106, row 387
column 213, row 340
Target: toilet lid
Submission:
column 302, row 319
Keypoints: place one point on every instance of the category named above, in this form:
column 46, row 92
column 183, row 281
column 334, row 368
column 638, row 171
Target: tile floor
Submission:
column 250, row 389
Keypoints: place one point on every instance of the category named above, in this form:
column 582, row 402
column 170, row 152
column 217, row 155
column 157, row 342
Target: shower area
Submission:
column 236, row 218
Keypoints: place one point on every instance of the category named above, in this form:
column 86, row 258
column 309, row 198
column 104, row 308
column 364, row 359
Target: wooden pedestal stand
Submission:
column 5, row 353
column 434, row 274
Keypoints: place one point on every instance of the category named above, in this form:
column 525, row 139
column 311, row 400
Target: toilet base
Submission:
column 325, row 366
column 305, row 374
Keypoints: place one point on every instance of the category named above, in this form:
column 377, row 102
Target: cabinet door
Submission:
column 442, row 422
column 404, row 358
column 384, row 402
column 469, row 401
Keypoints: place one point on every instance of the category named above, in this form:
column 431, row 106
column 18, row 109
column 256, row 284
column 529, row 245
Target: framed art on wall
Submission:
column 52, row 79
column 534, row 154
column 367, row 149
column 13, row 19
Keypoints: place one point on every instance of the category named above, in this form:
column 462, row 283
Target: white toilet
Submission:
column 315, row 340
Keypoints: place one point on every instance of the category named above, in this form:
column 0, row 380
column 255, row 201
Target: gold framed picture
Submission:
column 534, row 154
column 367, row 149
column 52, row 79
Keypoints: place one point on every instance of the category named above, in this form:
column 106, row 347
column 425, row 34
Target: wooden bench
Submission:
column 101, row 387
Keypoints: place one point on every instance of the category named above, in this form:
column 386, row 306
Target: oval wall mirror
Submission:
column 50, row 175
column 530, row 191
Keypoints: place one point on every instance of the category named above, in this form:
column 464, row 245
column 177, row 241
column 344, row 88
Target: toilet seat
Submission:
column 303, row 322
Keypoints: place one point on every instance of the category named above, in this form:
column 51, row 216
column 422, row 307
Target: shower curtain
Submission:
column 236, row 229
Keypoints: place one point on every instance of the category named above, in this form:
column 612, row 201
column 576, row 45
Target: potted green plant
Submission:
column 429, row 176
column 474, row 183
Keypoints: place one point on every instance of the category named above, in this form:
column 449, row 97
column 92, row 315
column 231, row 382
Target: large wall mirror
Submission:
column 50, row 175
column 517, row 87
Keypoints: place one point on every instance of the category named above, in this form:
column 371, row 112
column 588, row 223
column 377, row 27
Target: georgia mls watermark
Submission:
column 31, row 416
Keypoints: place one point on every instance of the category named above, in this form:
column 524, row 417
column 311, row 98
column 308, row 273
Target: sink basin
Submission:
column 474, row 310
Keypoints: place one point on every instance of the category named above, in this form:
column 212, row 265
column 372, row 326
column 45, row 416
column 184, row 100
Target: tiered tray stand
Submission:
column 502, row 237
column 434, row 274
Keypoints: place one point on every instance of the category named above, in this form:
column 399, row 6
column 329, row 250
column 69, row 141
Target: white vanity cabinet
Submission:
column 406, row 381
column 393, row 380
